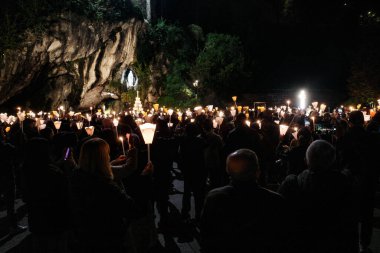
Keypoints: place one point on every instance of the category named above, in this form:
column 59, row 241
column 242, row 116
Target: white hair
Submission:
column 320, row 155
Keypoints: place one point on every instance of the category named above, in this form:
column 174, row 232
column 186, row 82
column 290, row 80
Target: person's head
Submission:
column 191, row 130
column 35, row 149
column 95, row 159
column 240, row 119
column 341, row 128
column 320, row 156
column 376, row 117
column 304, row 136
column 47, row 133
column 243, row 165
column 208, row 125
column 356, row 119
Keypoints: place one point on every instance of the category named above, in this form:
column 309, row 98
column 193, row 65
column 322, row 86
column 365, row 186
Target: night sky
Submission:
column 287, row 43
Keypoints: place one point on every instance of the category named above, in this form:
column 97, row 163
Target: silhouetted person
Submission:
column 7, row 184
column 296, row 156
column 322, row 213
column 192, row 165
column 243, row 217
column 101, row 210
column 47, row 198
column 242, row 137
column 164, row 149
column 213, row 155
column 358, row 152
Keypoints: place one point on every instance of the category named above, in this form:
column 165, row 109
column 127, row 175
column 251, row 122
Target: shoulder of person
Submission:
column 271, row 194
column 55, row 169
column 221, row 192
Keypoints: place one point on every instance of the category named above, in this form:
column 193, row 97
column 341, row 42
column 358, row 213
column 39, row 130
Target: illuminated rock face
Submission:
column 71, row 64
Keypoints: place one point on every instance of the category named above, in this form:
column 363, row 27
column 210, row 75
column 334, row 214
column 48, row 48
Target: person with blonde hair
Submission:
column 101, row 209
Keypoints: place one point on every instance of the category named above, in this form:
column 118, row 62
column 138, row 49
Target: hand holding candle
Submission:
column 122, row 144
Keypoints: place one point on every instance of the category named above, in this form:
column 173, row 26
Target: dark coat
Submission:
column 242, row 217
column 322, row 213
column 296, row 160
column 101, row 212
column 47, row 199
column 192, row 161
column 7, row 153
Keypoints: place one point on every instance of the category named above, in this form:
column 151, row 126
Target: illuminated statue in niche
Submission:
column 129, row 79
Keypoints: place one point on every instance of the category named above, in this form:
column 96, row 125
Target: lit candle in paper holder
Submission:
column 170, row 113
column 283, row 129
column 233, row 111
column 115, row 122
column 3, row 117
column 214, row 123
column 41, row 127
column 322, row 108
column 57, row 125
column 198, row 110
column 90, row 130
column 79, row 125
column 372, row 112
column 248, row 123
column 122, row 144
column 148, row 130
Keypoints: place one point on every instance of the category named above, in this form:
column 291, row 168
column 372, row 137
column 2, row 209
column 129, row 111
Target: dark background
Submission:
column 288, row 44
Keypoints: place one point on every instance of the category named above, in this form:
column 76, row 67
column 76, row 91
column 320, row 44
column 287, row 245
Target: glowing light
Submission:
column 302, row 98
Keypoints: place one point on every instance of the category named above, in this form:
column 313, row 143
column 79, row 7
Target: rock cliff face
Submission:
column 72, row 63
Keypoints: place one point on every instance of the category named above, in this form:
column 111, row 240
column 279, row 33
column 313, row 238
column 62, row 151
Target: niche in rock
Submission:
column 129, row 79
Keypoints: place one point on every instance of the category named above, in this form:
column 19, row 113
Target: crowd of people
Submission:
column 309, row 190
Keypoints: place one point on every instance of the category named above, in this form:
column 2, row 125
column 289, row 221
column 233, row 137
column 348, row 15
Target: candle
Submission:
column 122, row 145
column 116, row 123
column 313, row 119
column 259, row 123
column 57, row 125
column 148, row 130
column 283, row 129
column 89, row 130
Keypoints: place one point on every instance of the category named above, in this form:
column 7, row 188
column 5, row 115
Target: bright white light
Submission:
column 302, row 98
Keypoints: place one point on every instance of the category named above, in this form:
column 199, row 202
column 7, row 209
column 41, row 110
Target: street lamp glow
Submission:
column 302, row 98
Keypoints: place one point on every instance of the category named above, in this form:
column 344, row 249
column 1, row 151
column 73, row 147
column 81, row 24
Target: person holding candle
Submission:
column 101, row 209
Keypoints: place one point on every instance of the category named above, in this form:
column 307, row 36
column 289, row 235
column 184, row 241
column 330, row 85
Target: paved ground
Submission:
column 174, row 241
